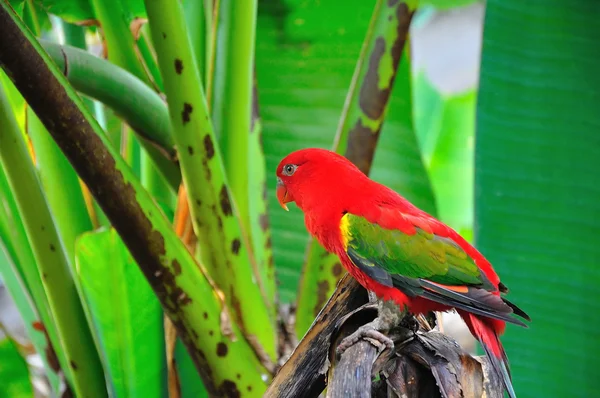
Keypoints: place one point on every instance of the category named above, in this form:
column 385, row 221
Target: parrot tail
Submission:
column 486, row 332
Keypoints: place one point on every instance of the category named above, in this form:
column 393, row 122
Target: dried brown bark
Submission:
column 425, row 363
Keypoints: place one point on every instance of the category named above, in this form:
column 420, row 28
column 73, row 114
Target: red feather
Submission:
column 326, row 185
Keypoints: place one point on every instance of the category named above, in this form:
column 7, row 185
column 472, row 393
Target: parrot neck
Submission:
column 324, row 211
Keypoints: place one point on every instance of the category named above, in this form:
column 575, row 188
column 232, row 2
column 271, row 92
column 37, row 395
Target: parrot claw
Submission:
column 370, row 333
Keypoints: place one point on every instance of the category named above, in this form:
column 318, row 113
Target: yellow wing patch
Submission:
column 345, row 231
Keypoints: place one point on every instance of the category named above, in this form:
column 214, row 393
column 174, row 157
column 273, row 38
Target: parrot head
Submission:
column 303, row 172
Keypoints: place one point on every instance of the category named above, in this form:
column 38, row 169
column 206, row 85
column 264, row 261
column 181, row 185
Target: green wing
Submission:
column 423, row 264
column 419, row 255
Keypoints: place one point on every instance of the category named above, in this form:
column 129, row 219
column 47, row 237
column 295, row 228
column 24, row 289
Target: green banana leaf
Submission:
column 126, row 316
column 537, row 200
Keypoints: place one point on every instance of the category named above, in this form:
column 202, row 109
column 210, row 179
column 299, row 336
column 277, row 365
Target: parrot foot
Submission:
column 369, row 332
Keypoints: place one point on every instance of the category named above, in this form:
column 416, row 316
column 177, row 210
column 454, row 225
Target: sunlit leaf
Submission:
column 127, row 320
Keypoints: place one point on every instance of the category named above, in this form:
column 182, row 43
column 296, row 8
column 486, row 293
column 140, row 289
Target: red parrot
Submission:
column 395, row 249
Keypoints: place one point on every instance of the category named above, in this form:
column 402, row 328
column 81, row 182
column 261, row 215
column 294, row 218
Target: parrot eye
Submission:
column 289, row 169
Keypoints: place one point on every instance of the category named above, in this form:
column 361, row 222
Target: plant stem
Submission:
column 65, row 199
column 184, row 291
column 137, row 103
column 223, row 245
column 196, row 21
column 232, row 95
column 87, row 378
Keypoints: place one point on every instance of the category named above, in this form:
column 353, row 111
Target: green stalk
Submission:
column 30, row 17
column 86, row 372
column 356, row 138
column 130, row 150
column 138, row 104
column 232, row 95
column 262, row 249
column 74, row 35
column 144, row 45
column 224, row 249
column 14, row 237
column 183, row 290
column 237, row 124
column 65, row 200
column 115, row 21
column 155, row 183
column 27, row 310
column 196, row 21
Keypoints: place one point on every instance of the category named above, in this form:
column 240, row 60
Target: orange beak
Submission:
column 282, row 194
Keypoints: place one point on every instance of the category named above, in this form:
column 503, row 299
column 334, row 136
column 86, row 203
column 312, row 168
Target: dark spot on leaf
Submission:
column 336, row 270
column 235, row 303
column 195, row 334
column 207, row 172
column 222, row 349
column 205, row 315
column 198, row 202
column 178, row 66
column 219, row 222
column 264, row 221
column 324, row 254
column 209, row 147
column 190, row 150
column 361, row 146
column 51, row 356
column 238, row 376
column 176, row 267
column 43, row 228
column 372, row 99
column 185, row 113
column 321, row 267
column 73, row 365
column 210, row 333
column 269, row 242
column 164, row 35
column 249, row 388
column 322, row 293
column 44, row 275
column 235, row 246
column 224, row 201
column 52, row 248
column 228, row 389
